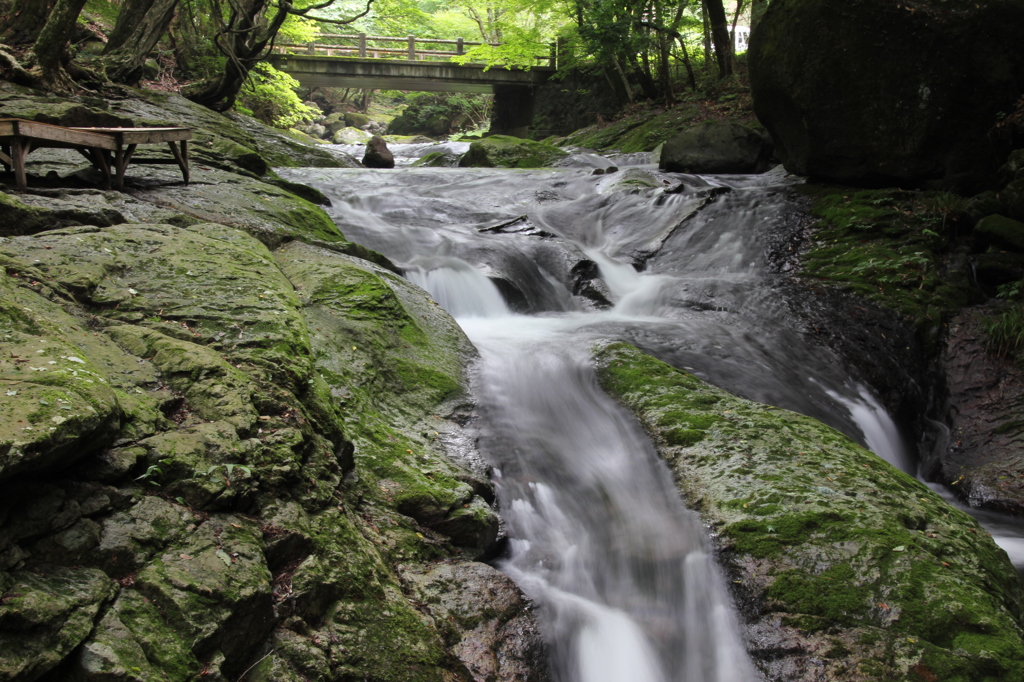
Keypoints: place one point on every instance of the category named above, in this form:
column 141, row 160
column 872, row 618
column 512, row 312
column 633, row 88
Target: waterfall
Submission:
column 622, row 571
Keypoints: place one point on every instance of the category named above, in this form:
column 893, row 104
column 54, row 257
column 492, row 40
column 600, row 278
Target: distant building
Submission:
column 740, row 38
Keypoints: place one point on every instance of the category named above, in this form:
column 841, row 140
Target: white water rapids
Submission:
column 622, row 571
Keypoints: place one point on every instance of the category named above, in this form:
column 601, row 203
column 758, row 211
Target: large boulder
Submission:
column 716, row 147
column 377, row 154
column 510, row 152
column 875, row 92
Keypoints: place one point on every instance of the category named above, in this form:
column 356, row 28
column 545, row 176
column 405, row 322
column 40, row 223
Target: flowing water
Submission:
column 537, row 267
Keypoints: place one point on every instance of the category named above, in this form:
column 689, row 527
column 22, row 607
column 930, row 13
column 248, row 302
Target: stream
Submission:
column 538, row 266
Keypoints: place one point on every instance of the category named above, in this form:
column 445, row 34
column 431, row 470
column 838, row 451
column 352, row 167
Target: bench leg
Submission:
column 101, row 162
column 181, row 156
column 19, row 151
column 121, row 158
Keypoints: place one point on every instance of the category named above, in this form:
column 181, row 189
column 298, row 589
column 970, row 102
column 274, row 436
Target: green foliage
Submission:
column 1006, row 332
column 270, row 97
column 438, row 114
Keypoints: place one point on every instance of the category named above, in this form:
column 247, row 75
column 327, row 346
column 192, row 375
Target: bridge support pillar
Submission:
column 513, row 110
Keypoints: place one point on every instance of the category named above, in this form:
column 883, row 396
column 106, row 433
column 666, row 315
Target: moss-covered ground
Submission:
column 826, row 538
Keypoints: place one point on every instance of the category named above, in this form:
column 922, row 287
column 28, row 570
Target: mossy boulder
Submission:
column 715, row 147
column 1000, row 232
column 350, row 136
column 504, row 151
column 838, row 555
column 356, row 120
column 890, row 117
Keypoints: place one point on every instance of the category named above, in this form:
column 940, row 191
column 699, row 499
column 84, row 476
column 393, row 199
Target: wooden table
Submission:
column 109, row 150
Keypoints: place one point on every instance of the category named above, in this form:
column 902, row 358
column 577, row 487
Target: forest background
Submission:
column 214, row 51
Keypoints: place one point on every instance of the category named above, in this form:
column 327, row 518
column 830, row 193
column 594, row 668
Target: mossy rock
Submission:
column 356, row 120
column 44, row 615
column 636, row 133
column 504, row 151
column 437, row 160
column 829, row 542
column 891, row 247
column 715, row 147
column 1000, row 232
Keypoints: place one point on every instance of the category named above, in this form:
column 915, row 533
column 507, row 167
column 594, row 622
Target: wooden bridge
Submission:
column 393, row 63
column 411, row 63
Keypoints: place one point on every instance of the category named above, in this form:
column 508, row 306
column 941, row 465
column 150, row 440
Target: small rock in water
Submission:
column 598, row 171
column 377, row 154
column 611, row 169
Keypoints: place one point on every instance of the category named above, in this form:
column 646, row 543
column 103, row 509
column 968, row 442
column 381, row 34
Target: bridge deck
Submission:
column 315, row 71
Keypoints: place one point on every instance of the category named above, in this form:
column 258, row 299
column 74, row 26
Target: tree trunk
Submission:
column 706, row 33
column 52, row 44
column 140, row 25
column 720, row 36
column 26, row 18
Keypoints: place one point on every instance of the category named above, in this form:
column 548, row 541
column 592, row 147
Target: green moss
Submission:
column 890, row 246
column 832, row 595
column 510, row 152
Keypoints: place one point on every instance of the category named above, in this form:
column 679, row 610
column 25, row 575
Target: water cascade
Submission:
column 599, row 537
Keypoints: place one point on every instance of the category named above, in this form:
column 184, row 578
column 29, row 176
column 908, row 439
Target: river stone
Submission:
column 715, row 147
column 846, row 567
column 890, row 116
column 377, row 154
column 350, row 136
column 45, row 614
column 505, row 151
column 505, row 644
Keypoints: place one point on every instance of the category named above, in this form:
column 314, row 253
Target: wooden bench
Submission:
column 109, row 150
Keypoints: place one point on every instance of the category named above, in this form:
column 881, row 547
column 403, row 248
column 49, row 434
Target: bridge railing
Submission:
column 390, row 47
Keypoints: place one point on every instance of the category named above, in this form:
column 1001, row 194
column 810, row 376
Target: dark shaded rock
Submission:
column 1000, row 232
column 1012, row 198
column 997, row 267
column 984, row 459
column 890, row 117
column 377, row 154
column 716, row 147
column 982, row 205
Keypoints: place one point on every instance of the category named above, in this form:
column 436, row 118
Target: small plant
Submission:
column 149, row 476
column 1006, row 333
column 947, row 204
column 1012, row 291
column 228, row 471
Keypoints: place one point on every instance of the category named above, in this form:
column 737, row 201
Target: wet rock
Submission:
column 129, row 538
column 991, row 269
column 505, row 644
column 840, row 548
column 504, row 151
column 983, row 458
column 45, row 614
column 377, row 154
column 716, row 147
column 879, row 126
